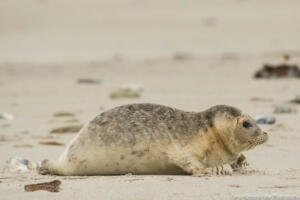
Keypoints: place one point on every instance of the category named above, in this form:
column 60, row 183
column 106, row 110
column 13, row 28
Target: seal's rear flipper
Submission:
column 47, row 167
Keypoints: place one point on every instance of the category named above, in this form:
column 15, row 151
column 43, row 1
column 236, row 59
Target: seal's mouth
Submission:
column 258, row 140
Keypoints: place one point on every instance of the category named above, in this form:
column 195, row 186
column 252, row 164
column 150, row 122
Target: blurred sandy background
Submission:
column 186, row 54
column 47, row 30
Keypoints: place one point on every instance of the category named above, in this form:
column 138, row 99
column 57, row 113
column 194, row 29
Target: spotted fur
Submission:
column 156, row 139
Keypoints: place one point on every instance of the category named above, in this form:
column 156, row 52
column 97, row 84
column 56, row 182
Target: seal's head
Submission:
column 238, row 131
column 248, row 133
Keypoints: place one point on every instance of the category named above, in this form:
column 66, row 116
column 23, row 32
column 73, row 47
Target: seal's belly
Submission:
column 139, row 162
column 138, row 166
column 122, row 160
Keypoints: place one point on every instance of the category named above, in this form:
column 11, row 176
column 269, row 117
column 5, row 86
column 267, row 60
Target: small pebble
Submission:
column 262, row 119
column 181, row 56
column 20, row 165
column 88, row 81
column 297, row 99
column 127, row 91
column 133, row 87
column 63, row 114
column 124, row 93
column 7, row 116
column 67, row 129
column 287, row 109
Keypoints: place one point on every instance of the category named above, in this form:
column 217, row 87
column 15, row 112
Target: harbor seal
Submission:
column 156, row 139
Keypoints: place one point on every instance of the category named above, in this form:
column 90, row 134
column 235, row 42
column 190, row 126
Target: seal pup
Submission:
column 156, row 139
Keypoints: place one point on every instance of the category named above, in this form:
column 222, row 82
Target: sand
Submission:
column 189, row 55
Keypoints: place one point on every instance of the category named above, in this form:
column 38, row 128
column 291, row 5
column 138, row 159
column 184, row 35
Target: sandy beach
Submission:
column 188, row 55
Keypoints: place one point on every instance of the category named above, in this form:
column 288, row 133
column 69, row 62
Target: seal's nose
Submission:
column 265, row 133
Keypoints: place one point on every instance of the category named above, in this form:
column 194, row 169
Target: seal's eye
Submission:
column 246, row 124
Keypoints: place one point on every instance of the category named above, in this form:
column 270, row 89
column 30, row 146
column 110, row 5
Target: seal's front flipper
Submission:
column 192, row 165
column 241, row 162
column 216, row 171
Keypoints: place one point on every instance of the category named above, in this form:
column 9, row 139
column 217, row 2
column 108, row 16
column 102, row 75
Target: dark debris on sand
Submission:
column 51, row 143
column 67, row 129
column 52, row 186
column 88, row 81
column 278, row 71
